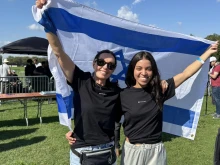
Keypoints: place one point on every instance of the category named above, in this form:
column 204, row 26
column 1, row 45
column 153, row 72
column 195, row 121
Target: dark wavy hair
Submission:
column 154, row 85
column 106, row 51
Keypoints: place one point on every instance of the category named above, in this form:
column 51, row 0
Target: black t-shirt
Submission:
column 29, row 69
column 95, row 110
column 142, row 116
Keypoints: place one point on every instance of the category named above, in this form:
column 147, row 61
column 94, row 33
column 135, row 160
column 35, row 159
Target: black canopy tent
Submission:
column 31, row 45
column 26, row 46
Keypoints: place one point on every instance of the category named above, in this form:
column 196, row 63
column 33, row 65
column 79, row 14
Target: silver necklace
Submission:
column 99, row 85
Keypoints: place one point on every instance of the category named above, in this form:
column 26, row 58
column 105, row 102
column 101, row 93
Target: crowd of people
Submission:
column 33, row 68
column 10, row 82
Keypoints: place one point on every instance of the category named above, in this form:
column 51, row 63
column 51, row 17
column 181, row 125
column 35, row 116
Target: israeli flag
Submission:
column 83, row 31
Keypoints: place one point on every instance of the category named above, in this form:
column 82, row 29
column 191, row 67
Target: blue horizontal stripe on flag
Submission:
column 65, row 104
column 178, row 116
column 131, row 39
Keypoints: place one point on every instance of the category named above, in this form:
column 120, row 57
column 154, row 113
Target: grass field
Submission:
column 19, row 71
column 46, row 144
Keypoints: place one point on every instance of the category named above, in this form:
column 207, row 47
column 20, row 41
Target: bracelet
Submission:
column 200, row 60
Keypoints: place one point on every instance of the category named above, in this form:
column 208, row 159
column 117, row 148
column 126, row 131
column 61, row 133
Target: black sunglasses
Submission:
column 101, row 62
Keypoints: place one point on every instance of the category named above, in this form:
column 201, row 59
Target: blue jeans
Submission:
column 74, row 160
column 216, row 97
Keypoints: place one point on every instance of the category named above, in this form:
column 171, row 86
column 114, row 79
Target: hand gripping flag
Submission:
column 83, row 31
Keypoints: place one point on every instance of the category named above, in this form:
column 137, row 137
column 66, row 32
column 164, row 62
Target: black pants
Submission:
column 117, row 135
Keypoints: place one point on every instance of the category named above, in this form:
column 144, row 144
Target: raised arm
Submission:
column 64, row 60
column 195, row 66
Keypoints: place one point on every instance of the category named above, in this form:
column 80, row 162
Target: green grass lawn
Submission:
column 46, row 144
column 19, row 70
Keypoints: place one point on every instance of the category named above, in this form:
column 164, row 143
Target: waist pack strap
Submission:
column 79, row 155
column 76, row 153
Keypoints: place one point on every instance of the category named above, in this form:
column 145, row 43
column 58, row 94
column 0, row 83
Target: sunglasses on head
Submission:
column 101, row 62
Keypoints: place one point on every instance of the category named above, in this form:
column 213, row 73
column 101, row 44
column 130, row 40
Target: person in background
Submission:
column 142, row 105
column 15, row 83
column 215, row 83
column 30, row 67
column 15, row 76
column 36, row 63
column 43, row 69
column 212, row 59
column 209, row 90
column 29, row 71
column 4, row 72
column 40, row 69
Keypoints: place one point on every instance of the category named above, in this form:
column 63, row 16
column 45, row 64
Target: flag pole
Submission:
column 1, row 85
column 207, row 94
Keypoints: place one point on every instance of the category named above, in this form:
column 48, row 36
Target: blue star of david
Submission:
column 120, row 58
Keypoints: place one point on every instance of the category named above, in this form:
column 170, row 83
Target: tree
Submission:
column 20, row 61
column 215, row 37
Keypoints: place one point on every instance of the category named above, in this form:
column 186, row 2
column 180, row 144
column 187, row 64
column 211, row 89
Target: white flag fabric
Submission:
column 83, row 31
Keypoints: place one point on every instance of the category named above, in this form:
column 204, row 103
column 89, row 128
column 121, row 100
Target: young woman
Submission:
column 142, row 106
column 96, row 99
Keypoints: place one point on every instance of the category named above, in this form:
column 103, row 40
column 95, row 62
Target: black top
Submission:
column 43, row 71
column 95, row 110
column 142, row 116
column 29, row 69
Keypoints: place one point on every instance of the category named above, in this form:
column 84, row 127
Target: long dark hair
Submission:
column 98, row 55
column 154, row 85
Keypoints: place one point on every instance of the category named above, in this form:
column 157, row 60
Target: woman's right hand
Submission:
column 213, row 48
column 69, row 137
column 64, row 60
column 40, row 3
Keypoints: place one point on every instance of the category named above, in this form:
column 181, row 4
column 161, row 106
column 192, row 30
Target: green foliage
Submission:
column 215, row 37
column 21, row 61
column 19, row 71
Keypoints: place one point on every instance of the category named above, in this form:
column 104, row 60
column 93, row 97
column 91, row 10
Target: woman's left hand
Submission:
column 69, row 137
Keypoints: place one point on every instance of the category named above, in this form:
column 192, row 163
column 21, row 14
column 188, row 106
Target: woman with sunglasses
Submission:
column 142, row 104
column 96, row 99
